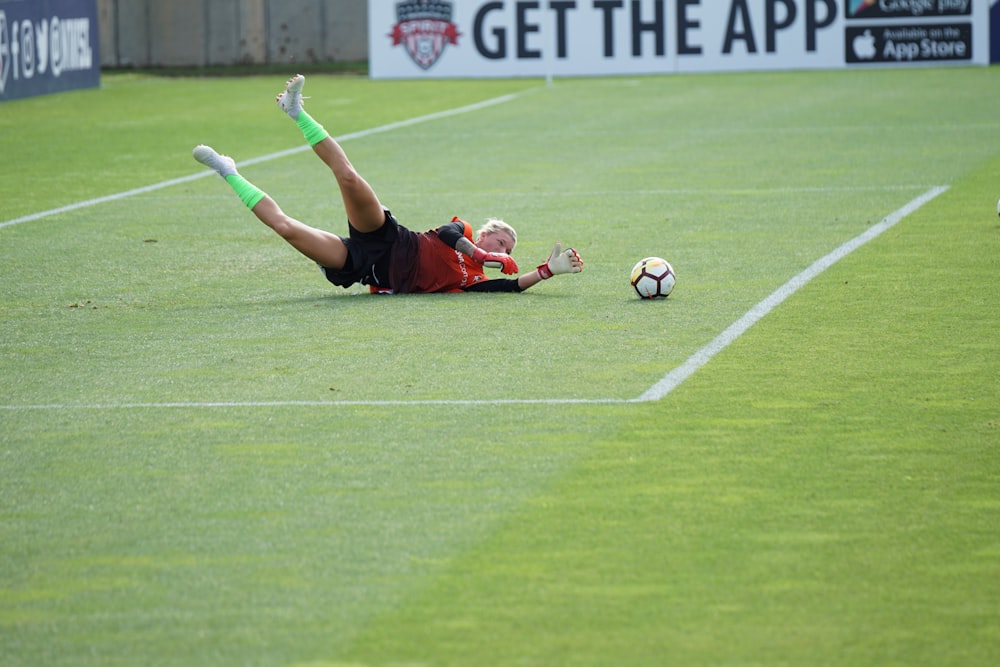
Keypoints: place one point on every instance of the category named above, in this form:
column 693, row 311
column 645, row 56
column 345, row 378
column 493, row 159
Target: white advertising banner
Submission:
column 515, row 38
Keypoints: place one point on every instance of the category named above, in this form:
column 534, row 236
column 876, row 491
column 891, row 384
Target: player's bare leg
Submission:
column 363, row 208
column 322, row 247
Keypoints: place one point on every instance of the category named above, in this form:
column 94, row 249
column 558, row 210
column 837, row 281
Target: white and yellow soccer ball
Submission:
column 653, row 278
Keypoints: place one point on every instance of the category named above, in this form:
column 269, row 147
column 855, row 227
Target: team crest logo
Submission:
column 424, row 28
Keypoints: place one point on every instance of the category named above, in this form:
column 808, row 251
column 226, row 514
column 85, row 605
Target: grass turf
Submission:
column 823, row 492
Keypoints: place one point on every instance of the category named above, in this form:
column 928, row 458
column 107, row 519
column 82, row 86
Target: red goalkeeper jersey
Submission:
column 422, row 262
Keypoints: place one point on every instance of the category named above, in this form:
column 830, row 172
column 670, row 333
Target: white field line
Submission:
column 672, row 379
column 667, row 384
column 204, row 173
column 321, row 404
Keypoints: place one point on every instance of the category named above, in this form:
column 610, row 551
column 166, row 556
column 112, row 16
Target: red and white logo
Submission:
column 424, row 28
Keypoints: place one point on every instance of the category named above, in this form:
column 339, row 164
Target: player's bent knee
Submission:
column 286, row 227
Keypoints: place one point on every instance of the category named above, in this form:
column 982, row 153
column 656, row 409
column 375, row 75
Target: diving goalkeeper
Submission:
column 379, row 252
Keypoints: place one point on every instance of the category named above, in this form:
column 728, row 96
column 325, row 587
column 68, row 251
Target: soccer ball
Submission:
column 653, row 277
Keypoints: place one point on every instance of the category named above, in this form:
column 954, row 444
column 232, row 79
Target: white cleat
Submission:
column 290, row 101
column 998, row 207
column 222, row 164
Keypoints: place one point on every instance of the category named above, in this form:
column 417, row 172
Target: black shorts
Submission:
column 369, row 255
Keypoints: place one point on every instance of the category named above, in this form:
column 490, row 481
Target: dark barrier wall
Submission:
column 47, row 46
column 995, row 32
column 200, row 33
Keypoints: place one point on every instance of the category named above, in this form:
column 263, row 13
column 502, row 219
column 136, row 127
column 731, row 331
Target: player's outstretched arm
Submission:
column 560, row 261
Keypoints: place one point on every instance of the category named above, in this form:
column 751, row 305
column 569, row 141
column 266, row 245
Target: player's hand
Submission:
column 561, row 261
column 495, row 260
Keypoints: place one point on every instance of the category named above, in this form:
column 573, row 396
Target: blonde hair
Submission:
column 494, row 225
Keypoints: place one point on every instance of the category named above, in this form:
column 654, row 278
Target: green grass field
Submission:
column 211, row 456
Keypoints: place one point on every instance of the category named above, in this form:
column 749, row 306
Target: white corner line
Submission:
column 675, row 377
column 263, row 158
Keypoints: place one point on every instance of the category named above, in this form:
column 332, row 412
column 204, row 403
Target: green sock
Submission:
column 311, row 130
column 249, row 193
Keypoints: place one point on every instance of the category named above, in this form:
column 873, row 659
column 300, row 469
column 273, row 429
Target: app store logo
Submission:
column 863, row 46
column 899, row 43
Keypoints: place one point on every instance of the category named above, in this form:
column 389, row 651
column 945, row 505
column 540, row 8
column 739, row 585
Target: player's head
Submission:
column 496, row 236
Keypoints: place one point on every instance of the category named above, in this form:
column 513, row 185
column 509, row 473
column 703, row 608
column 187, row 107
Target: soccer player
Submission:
column 380, row 252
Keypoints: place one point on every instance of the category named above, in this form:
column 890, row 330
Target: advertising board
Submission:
column 47, row 46
column 512, row 38
column 995, row 31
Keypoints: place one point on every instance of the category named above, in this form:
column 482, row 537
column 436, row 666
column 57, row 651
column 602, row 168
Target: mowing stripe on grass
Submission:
column 658, row 391
column 723, row 192
column 264, row 158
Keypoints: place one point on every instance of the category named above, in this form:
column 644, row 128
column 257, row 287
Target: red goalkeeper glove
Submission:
column 495, row 260
column 561, row 261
